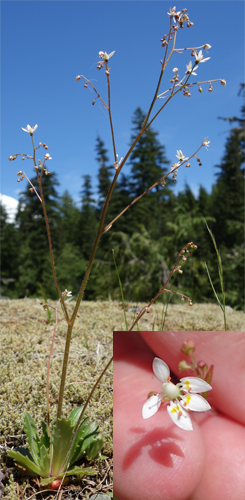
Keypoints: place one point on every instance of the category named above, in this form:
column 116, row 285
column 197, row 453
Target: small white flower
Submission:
column 173, row 13
column 199, row 57
column 189, row 69
column 29, row 129
column 180, row 155
column 206, row 143
column 105, row 56
column 182, row 397
column 47, row 156
column 206, row 46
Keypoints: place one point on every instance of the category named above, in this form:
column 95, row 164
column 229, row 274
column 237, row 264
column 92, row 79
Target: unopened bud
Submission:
column 46, row 147
column 78, row 78
column 188, row 347
column 183, row 365
column 19, row 173
column 200, row 90
column 85, row 85
column 223, row 82
column 10, row 158
column 190, row 303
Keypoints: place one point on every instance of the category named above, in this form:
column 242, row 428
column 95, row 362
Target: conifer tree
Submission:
column 148, row 162
column 33, row 250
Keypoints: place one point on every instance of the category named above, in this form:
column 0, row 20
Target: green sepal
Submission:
column 75, row 471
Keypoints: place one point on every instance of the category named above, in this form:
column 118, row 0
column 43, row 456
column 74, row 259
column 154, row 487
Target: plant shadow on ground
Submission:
column 25, row 343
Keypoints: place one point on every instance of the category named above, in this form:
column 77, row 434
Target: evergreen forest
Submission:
column 146, row 239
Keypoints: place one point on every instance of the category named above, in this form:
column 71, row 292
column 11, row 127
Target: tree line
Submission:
column 146, row 239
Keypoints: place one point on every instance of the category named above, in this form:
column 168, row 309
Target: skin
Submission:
column 153, row 458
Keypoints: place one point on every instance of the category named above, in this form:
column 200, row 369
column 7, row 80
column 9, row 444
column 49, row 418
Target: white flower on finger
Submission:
column 182, row 397
column 29, row 129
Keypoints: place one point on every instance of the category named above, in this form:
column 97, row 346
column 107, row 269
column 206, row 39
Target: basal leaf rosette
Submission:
column 52, row 458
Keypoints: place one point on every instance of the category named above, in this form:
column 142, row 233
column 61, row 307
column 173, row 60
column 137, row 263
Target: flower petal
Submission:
column 194, row 384
column 161, row 369
column 179, row 416
column 151, row 406
column 195, row 402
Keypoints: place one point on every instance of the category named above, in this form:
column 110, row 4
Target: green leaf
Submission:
column 32, row 437
column 22, row 458
column 76, row 450
column 45, row 437
column 93, row 446
column 61, row 435
column 45, row 461
column 75, row 415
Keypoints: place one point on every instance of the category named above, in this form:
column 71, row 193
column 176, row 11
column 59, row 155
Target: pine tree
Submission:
column 148, row 162
column 9, row 254
column 34, row 251
column 88, row 221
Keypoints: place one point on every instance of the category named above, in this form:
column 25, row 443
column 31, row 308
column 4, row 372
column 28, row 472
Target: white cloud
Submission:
column 11, row 205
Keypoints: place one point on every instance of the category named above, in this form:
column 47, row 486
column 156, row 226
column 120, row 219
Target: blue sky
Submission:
column 45, row 44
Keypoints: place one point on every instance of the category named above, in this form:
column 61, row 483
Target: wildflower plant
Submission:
column 52, row 456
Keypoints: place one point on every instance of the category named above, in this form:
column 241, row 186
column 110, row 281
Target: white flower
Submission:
column 173, row 13
column 189, row 69
column 180, row 155
column 105, row 56
column 182, row 397
column 47, row 156
column 29, row 129
column 206, row 46
column 199, row 57
column 206, row 143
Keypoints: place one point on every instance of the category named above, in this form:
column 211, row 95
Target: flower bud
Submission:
column 78, row 78
column 223, row 82
column 188, row 347
column 183, row 365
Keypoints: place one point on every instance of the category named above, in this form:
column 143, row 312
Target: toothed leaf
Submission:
column 32, row 437
column 61, row 435
column 22, row 458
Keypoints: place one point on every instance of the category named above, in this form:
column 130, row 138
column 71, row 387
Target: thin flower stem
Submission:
column 145, row 308
column 48, row 369
column 149, row 189
column 109, row 111
column 97, row 93
column 164, row 65
column 49, row 237
column 51, row 253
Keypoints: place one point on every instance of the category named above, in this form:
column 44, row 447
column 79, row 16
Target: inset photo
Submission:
column 179, row 415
